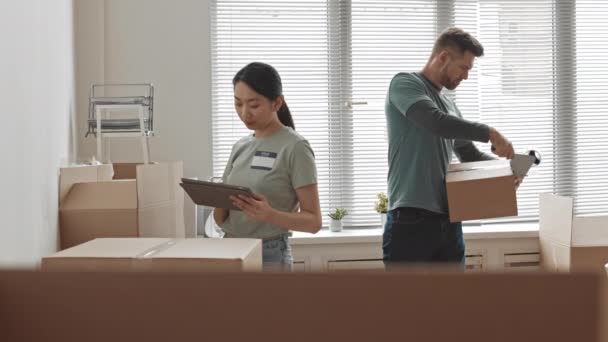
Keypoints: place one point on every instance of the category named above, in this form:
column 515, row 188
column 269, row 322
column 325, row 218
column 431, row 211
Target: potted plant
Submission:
column 335, row 225
column 381, row 206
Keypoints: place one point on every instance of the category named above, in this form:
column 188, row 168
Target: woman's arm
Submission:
column 308, row 219
column 220, row 215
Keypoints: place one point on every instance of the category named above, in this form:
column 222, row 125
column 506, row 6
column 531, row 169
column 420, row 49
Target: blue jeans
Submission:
column 276, row 254
column 413, row 235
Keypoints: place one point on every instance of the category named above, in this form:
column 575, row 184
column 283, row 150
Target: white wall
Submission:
column 36, row 100
column 158, row 41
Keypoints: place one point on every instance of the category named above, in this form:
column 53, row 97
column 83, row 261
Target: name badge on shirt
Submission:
column 263, row 160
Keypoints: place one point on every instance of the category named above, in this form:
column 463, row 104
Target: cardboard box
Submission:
column 157, row 254
column 206, row 255
column 568, row 242
column 151, row 307
column 105, row 254
column 128, row 171
column 97, row 202
column 573, row 244
column 480, row 190
column 100, row 209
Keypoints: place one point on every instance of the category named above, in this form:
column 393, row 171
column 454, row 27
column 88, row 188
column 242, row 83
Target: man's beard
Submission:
column 448, row 83
column 451, row 85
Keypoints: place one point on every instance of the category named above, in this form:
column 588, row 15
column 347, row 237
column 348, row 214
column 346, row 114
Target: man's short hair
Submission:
column 459, row 40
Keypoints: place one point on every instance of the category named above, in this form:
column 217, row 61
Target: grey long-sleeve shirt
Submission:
column 424, row 128
column 426, row 115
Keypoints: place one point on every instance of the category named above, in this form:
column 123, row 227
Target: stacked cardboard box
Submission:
column 122, row 200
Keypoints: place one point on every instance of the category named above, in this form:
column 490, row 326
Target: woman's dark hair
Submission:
column 265, row 80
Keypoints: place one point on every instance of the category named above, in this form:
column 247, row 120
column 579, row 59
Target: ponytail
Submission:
column 284, row 115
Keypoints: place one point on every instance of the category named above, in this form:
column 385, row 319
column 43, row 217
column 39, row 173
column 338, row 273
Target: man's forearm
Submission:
column 426, row 115
column 466, row 152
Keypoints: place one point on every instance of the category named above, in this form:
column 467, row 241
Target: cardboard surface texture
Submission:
column 103, row 201
column 68, row 176
column 155, row 307
column 158, row 254
column 125, row 170
column 480, row 190
column 568, row 242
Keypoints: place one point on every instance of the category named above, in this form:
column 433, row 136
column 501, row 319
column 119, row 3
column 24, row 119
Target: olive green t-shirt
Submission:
column 274, row 166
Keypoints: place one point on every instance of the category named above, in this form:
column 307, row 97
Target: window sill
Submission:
column 374, row 235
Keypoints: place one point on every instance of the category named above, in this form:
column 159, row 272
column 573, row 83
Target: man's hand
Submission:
column 501, row 146
column 517, row 181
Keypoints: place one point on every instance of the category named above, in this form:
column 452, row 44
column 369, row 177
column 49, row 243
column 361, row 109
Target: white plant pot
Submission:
column 335, row 225
column 383, row 219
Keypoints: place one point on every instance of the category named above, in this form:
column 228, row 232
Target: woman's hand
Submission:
column 255, row 207
column 308, row 219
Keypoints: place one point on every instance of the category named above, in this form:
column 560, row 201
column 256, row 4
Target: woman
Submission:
column 276, row 163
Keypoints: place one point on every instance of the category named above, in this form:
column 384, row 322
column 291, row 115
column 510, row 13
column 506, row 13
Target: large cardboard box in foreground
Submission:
column 480, row 190
column 151, row 307
column 95, row 203
column 568, row 242
column 158, row 254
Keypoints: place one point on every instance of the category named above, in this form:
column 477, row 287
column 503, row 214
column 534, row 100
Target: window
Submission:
column 513, row 85
column 292, row 37
column 586, row 174
column 541, row 82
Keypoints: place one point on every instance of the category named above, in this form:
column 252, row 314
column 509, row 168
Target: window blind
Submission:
column 541, row 83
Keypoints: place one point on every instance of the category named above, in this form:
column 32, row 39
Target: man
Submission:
column 424, row 128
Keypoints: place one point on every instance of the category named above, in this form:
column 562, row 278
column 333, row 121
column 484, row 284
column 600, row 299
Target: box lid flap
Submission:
column 555, row 218
column 120, row 194
column 462, row 175
column 158, row 183
column 73, row 174
column 478, row 165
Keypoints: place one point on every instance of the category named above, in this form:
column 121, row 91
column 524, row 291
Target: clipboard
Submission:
column 210, row 194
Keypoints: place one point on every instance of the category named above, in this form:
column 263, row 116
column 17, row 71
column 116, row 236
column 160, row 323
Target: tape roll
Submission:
column 536, row 156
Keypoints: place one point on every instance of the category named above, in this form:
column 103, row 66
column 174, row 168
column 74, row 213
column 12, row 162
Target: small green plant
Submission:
column 338, row 214
column 381, row 205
